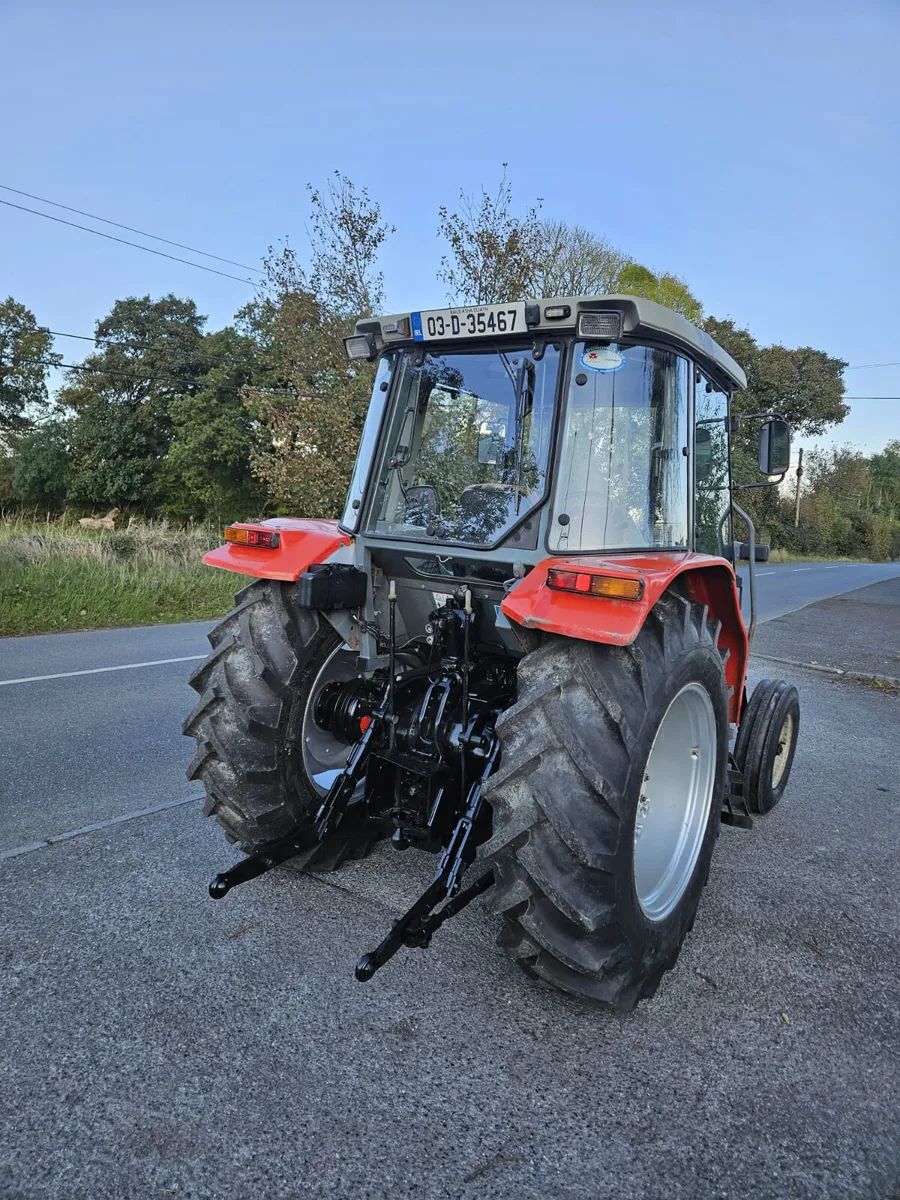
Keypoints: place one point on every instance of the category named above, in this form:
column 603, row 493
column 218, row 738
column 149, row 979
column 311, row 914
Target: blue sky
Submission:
column 754, row 148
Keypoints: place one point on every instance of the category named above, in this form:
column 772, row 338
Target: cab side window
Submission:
column 712, row 504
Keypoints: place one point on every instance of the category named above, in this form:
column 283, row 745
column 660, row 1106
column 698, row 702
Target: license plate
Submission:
column 485, row 320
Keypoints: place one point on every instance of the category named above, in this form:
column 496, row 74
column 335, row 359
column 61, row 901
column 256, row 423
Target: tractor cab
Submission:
column 501, row 436
column 521, row 646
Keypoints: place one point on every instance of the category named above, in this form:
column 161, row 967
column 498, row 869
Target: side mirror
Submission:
column 703, row 454
column 775, row 447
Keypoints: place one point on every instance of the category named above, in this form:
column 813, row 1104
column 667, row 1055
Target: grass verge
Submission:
column 53, row 579
column 785, row 556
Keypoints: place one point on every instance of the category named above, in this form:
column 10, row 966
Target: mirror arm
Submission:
column 767, row 483
column 738, row 417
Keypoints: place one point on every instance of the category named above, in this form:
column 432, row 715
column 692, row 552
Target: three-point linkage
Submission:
column 424, row 780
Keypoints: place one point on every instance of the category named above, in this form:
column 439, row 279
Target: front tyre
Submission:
column 607, row 803
column 263, row 761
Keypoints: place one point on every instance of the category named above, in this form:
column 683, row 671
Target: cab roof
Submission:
column 643, row 320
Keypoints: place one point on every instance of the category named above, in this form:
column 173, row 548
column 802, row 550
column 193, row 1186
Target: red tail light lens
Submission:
column 614, row 587
column 267, row 538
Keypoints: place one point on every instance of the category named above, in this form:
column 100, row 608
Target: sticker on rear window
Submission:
column 602, row 358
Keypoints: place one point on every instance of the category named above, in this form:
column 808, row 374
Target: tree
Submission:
column 149, row 353
column 572, row 261
column 314, row 407
column 667, row 289
column 346, row 233
column 42, row 469
column 493, row 255
column 885, row 472
column 805, row 385
column 25, row 358
column 207, row 471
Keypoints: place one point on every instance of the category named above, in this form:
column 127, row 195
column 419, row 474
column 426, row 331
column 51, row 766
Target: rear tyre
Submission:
column 607, row 804
column 257, row 688
column 766, row 743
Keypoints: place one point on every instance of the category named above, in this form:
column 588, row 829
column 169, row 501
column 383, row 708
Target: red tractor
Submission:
column 520, row 648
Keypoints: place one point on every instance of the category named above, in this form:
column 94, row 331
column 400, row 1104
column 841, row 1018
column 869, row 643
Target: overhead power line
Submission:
column 136, row 376
column 125, row 242
column 870, row 366
column 129, row 344
column 130, row 228
column 141, row 377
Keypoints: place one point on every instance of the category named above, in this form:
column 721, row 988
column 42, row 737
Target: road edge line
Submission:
column 53, row 838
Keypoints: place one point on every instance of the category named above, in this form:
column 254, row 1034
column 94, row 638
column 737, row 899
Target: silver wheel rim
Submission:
column 324, row 755
column 676, row 795
column 783, row 752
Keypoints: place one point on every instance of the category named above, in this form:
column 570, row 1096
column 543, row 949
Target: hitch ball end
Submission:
column 218, row 886
column 365, row 968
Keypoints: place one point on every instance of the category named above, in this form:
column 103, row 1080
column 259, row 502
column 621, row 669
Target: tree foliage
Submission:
column 572, row 261
column 667, row 289
column 26, row 356
column 346, row 233
column 149, row 352
column 42, row 472
column 493, row 254
column 313, row 411
column 804, row 385
column 214, row 436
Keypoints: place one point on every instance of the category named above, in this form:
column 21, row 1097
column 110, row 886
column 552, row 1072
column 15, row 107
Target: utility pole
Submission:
column 797, row 498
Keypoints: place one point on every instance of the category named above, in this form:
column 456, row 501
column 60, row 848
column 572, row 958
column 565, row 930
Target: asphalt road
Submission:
column 785, row 587
column 158, row 1044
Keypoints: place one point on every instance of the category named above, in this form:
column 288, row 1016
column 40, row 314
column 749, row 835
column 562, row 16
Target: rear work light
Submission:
column 268, row 538
column 565, row 579
column 360, row 345
column 605, row 326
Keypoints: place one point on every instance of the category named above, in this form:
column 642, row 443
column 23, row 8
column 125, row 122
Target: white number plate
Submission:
column 486, row 320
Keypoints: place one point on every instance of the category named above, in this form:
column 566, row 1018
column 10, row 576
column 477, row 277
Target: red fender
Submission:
column 709, row 580
column 302, row 542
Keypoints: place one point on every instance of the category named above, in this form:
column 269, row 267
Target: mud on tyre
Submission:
column 573, row 888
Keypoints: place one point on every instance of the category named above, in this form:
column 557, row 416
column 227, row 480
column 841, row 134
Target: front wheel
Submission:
column 607, row 803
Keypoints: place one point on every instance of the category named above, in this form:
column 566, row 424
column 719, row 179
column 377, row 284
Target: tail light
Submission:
column 565, row 579
column 268, row 538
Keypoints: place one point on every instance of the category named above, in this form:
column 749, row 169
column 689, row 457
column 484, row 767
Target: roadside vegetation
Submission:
column 56, row 577
column 179, row 426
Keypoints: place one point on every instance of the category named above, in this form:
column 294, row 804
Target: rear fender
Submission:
column 302, row 542
column 707, row 580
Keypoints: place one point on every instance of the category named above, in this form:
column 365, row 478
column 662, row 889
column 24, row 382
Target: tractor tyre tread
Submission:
column 245, row 724
column 564, row 801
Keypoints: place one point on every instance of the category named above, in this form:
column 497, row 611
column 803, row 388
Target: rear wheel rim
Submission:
column 675, row 800
column 783, row 751
column 324, row 755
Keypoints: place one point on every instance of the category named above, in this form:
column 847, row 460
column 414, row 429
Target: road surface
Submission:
column 158, row 1044
column 785, row 587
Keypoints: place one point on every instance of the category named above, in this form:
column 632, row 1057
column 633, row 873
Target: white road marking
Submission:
column 758, row 573
column 29, row 847
column 802, row 569
column 835, row 568
column 159, row 662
